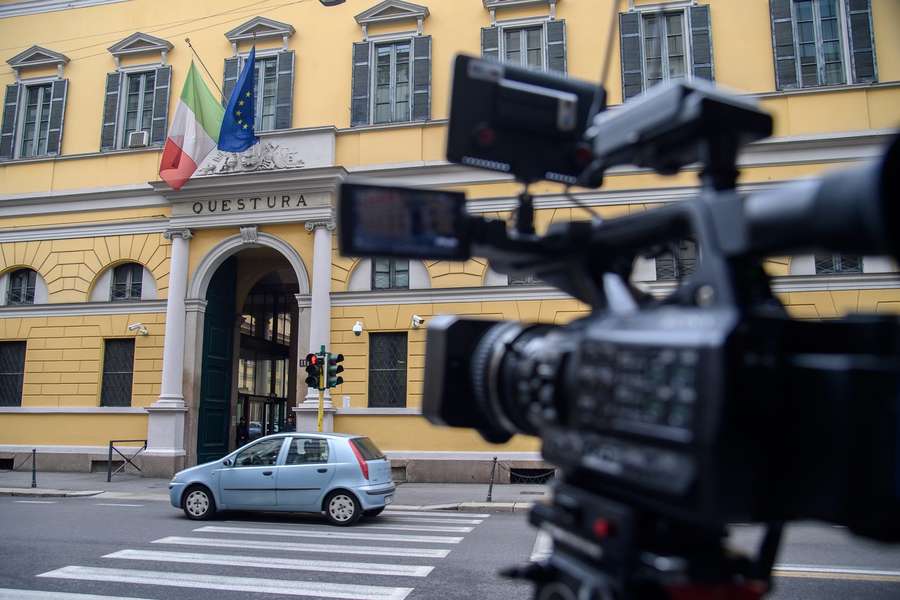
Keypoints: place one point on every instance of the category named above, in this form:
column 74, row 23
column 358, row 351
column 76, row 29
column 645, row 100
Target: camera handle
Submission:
column 525, row 213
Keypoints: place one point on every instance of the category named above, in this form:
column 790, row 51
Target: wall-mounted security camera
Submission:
column 357, row 328
column 139, row 327
column 417, row 321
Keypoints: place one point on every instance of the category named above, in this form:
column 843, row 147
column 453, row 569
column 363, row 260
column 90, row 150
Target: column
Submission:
column 319, row 323
column 165, row 430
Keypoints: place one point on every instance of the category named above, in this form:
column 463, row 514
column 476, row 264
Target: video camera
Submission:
column 669, row 418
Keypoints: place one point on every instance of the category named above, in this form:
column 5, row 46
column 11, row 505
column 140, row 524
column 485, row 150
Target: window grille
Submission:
column 387, row 370
column 12, row 372
column 681, row 264
column 830, row 264
column 118, row 372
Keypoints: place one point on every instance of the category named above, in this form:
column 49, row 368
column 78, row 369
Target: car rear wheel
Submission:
column 342, row 508
column 198, row 503
column 374, row 512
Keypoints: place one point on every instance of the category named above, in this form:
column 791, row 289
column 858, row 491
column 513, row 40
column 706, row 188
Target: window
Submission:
column 273, row 88
column 126, row 283
column 138, row 103
column 822, row 42
column 118, row 372
column 664, row 47
column 831, row 264
column 21, row 287
column 391, row 81
column 306, row 451
column 681, row 264
column 264, row 90
column 35, row 121
column 524, row 47
column 528, row 279
column 387, row 370
column 135, row 102
column 392, row 90
column 535, row 46
column 261, row 454
column 390, row 273
column 660, row 45
column 12, row 372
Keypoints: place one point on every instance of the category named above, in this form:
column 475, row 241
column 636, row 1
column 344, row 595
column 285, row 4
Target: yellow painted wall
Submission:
column 70, row 267
column 412, row 432
column 64, row 357
column 83, row 217
column 323, row 42
column 70, row 429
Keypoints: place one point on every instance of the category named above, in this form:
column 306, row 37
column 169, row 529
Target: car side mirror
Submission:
column 227, row 462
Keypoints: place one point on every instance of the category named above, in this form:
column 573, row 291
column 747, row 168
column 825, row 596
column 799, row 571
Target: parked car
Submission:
column 343, row 476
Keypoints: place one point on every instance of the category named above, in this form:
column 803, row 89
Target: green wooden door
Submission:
column 218, row 357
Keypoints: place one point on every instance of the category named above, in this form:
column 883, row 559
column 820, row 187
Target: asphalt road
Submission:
column 113, row 549
column 128, row 549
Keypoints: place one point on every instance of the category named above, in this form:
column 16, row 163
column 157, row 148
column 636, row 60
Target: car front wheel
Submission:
column 198, row 503
column 341, row 508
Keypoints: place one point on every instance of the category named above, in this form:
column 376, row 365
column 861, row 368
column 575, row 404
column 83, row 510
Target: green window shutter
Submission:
column 421, row 100
column 229, row 80
column 556, row 46
column 110, row 111
column 359, row 92
column 284, row 90
column 701, row 42
column 862, row 42
column 8, row 125
column 783, row 45
column 162, row 84
column 490, row 42
column 57, row 113
column 632, row 57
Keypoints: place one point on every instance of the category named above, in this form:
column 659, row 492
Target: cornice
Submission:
column 158, row 225
column 79, row 309
column 315, row 179
column 73, row 410
column 441, row 295
column 32, row 7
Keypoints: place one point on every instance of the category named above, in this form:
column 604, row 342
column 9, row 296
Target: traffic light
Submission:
column 334, row 367
column 313, row 371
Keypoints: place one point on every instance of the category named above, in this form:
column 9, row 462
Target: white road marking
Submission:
column 435, row 513
column 337, row 535
column 392, row 518
column 270, row 562
column 283, row 587
column 295, row 547
column 380, row 525
column 10, row 594
column 543, row 546
column 35, row 501
column 836, row 572
column 114, row 504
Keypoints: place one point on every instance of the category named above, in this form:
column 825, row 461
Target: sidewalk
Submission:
column 409, row 496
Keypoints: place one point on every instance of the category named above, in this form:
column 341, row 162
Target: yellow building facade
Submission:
column 129, row 311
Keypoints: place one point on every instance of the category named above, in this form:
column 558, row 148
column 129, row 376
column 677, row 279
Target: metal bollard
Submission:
column 34, row 467
column 491, row 486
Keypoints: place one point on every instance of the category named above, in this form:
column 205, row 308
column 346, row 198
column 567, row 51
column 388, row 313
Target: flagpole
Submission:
column 188, row 40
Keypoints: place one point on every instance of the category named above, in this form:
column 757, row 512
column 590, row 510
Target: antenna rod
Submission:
column 188, row 41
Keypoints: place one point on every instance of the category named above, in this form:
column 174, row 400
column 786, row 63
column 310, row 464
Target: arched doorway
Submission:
column 252, row 329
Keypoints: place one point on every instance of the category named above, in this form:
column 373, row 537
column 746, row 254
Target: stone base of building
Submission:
column 92, row 462
column 411, row 470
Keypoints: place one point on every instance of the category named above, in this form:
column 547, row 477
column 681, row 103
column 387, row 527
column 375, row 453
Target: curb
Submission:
column 47, row 493
column 473, row 507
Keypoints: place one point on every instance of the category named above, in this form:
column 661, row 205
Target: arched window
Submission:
column 126, row 283
column 388, row 274
column 20, row 287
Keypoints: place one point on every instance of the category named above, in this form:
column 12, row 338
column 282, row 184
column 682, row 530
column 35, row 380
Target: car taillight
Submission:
column 363, row 466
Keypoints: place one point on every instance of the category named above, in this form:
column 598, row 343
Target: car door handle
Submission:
column 322, row 470
column 267, row 472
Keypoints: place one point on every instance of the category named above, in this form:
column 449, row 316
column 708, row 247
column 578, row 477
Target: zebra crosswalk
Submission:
column 379, row 559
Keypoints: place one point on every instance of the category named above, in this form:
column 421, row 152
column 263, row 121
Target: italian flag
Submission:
column 194, row 131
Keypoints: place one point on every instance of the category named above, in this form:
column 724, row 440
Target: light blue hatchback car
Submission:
column 343, row 476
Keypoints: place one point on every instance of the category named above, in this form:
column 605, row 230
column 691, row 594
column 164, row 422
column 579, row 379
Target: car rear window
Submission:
column 367, row 448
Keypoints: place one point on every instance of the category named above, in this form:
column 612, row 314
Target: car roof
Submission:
column 311, row 434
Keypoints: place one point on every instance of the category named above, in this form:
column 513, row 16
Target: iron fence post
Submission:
column 109, row 464
column 491, row 486
column 34, row 467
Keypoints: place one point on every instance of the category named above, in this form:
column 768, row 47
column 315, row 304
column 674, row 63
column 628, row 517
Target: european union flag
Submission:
column 236, row 134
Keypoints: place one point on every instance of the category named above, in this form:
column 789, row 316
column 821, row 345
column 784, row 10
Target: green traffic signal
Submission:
column 334, row 367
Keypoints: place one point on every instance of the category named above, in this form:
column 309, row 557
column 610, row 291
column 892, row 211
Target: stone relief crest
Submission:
column 264, row 156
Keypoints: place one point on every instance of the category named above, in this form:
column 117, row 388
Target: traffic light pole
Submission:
column 322, row 375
